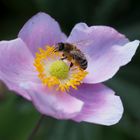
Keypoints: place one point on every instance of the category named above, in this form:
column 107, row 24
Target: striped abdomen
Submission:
column 83, row 63
column 79, row 58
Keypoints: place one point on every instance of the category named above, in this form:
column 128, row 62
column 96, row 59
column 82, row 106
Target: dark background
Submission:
column 18, row 117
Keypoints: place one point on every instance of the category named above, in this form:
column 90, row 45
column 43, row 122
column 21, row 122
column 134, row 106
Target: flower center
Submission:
column 59, row 69
column 55, row 73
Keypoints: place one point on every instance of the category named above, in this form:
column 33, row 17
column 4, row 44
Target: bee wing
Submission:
column 76, row 54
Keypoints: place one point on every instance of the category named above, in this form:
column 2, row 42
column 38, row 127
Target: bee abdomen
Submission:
column 80, row 59
column 83, row 63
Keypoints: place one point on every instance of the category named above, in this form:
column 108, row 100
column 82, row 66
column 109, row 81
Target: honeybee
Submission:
column 73, row 54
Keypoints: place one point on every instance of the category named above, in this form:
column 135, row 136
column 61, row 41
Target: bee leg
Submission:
column 71, row 64
column 63, row 58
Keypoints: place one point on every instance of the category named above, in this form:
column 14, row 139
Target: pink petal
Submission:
column 41, row 30
column 105, row 48
column 56, row 104
column 101, row 106
column 16, row 65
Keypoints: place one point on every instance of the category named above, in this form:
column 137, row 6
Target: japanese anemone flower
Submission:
column 30, row 67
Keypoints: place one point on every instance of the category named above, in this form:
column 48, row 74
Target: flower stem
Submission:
column 35, row 129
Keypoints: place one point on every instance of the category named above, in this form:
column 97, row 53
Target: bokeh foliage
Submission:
column 18, row 117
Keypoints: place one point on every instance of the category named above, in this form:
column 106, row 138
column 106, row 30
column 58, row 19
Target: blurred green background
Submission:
column 18, row 117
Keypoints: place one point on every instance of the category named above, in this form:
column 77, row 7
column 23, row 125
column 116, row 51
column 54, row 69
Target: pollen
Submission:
column 55, row 73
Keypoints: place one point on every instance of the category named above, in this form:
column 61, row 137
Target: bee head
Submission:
column 60, row 46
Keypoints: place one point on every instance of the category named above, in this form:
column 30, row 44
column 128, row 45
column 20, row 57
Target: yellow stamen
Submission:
column 55, row 73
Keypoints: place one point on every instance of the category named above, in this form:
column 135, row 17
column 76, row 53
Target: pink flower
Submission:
column 26, row 70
